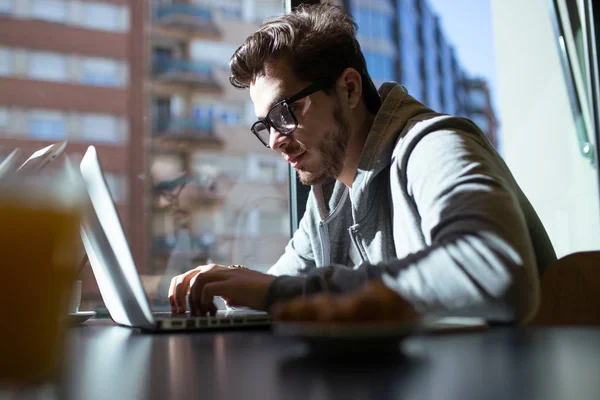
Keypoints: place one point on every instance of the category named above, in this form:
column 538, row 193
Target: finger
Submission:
column 219, row 288
column 197, row 285
column 209, row 291
column 193, row 311
column 182, row 288
column 172, row 300
column 194, row 303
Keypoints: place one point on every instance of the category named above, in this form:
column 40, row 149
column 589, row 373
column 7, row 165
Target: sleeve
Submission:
column 298, row 258
column 479, row 260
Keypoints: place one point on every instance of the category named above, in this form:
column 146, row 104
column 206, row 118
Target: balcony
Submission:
column 185, row 133
column 194, row 74
column 188, row 18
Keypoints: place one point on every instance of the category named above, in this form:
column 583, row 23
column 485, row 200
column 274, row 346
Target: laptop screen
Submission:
column 108, row 251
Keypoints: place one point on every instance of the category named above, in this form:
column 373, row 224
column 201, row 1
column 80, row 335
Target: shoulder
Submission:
column 434, row 132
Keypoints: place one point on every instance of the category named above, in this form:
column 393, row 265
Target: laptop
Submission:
column 41, row 158
column 36, row 162
column 116, row 273
column 9, row 164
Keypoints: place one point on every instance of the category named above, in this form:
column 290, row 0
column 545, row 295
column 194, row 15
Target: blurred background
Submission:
column 146, row 82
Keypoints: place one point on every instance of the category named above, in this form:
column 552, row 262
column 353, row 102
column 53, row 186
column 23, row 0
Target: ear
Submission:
column 350, row 87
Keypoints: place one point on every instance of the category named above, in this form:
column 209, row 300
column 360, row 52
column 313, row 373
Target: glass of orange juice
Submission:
column 39, row 231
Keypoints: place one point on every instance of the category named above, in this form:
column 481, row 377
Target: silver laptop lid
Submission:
column 9, row 164
column 108, row 251
column 43, row 157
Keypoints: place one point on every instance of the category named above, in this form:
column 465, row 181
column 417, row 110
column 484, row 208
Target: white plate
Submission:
column 80, row 317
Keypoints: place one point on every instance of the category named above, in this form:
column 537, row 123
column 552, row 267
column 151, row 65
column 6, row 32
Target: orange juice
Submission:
column 37, row 239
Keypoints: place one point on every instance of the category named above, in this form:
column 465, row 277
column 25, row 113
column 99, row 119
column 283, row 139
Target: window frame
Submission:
column 298, row 192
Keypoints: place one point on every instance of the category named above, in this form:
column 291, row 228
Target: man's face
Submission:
column 317, row 148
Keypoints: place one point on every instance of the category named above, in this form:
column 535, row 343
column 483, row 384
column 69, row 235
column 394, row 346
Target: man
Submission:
column 410, row 211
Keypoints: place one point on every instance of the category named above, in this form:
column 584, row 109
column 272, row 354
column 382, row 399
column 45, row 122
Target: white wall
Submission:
column 539, row 139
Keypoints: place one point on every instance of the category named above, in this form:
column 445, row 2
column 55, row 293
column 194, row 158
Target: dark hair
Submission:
column 317, row 41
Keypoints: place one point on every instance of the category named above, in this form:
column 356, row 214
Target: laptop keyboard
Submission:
column 232, row 319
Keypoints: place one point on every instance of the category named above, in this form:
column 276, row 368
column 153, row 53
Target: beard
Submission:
column 332, row 149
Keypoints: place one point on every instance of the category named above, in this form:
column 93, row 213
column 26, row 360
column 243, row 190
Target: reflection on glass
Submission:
column 217, row 194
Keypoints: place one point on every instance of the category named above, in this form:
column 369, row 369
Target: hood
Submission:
column 389, row 125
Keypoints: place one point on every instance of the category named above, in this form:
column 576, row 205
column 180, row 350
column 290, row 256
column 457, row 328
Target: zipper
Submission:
column 354, row 242
column 324, row 236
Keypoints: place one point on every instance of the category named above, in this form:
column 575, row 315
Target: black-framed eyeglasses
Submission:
column 281, row 117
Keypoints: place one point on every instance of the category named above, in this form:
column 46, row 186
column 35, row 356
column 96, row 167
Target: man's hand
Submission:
column 238, row 286
column 372, row 302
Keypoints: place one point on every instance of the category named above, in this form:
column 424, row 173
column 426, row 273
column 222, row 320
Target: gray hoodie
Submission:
column 434, row 212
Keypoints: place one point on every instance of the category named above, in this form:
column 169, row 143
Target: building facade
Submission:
column 218, row 195
column 403, row 41
column 70, row 69
column 147, row 83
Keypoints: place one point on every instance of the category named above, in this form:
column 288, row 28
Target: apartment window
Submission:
column 100, row 128
column 227, row 115
column 117, row 186
column 6, row 7
column 482, row 121
column 46, row 125
column 4, row 118
column 102, row 16
column 231, row 9
column 100, row 72
column 48, row 66
column 478, row 99
column 380, row 66
column 5, row 62
column 49, row 10
column 203, row 113
column 266, row 169
column 215, row 53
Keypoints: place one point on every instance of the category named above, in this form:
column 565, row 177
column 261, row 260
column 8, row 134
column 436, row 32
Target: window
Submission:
column 272, row 222
column 215, row 53
column 478, row 99
column 231, row 9
column 380, row 66
column 266, row 169
column 102, row 16
column 46, row 125
column 4, row 119
column 49, row 10
column 100, row 72
column 227, row 114
column 48, row 66
column 117, row 187
column 6, row 61
column 6, row 7
column 100, row 128
column 481, row 121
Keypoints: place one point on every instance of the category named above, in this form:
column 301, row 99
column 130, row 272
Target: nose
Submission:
column 276, row 139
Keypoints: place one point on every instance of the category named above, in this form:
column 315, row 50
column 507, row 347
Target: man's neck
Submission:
column 356, row 143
